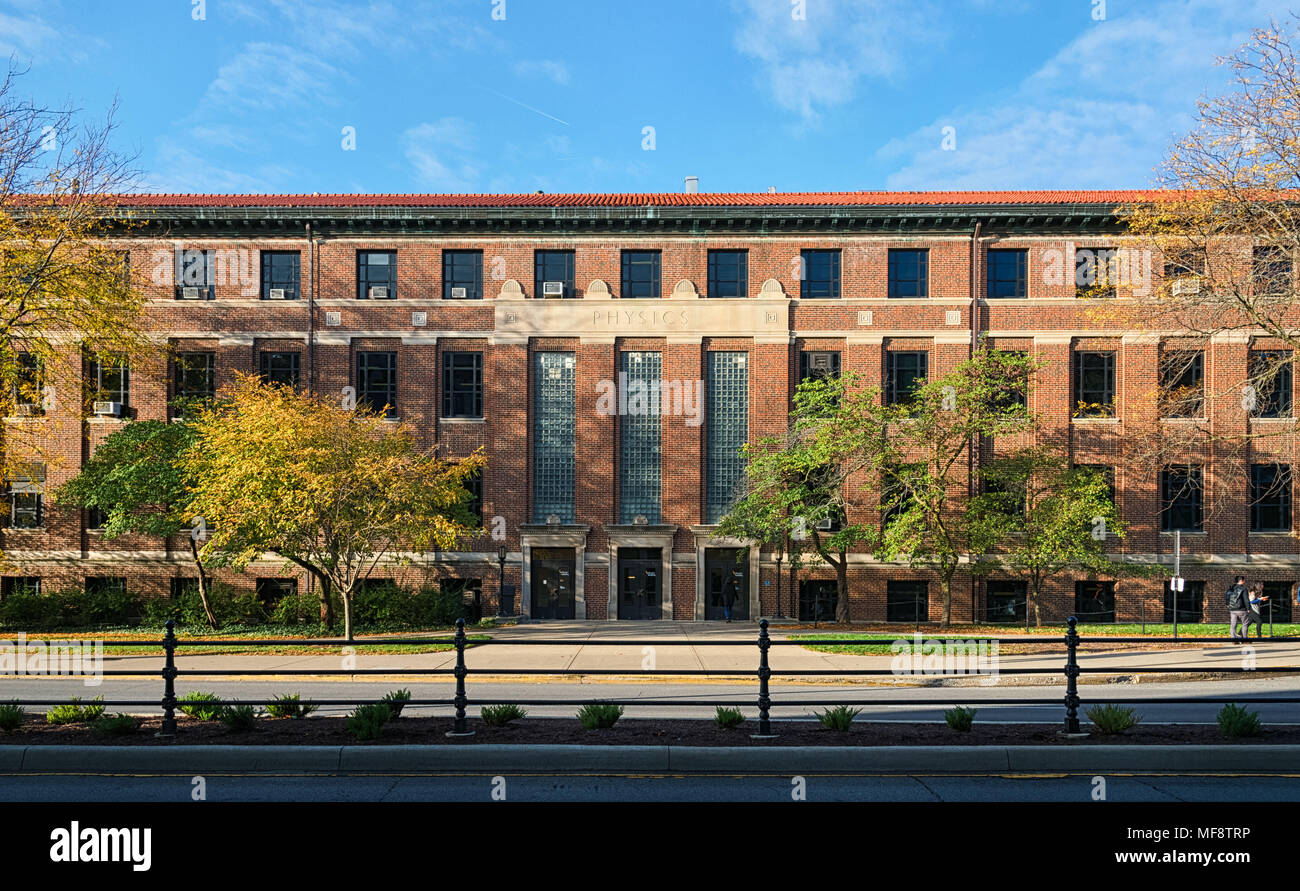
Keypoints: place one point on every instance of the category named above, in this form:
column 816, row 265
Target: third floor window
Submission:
column 555, row 268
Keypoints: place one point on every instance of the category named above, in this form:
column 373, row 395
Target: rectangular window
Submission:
column 281, row 368
column 553, row 266
column 1008, row 274
column 641, row 274
column 728, row 274
column 1182, row 384
column 1181, row 488
column 474, row 485
column 377, row 382
column 26, row 497
column 96, row 518
column 727, row 431
column 1108, row 475
column 1281, row 596
column 281, row 271
column 1094, row 602
column 1094, row 385
column 376, row 275
column 1096, row 271
column 1271, row 379
column 1006, row 496
column 818, row 363
column 1005, row 601
column 462, row 385
column 554, row 395
column 1271, row 272
column 1015, row 391
column 909, row 273
column 907, row 602
column 195, row 379
column 640, row 437
column 196, row 274
column 1187, row 605
column 1270, row 498
column 20, row 584
column 29, row 398
column 821, row 275
column 271, row 591
column 462, row 275
column 109, row 381
column 107, row 584
column 905, row 373
column 895, row 497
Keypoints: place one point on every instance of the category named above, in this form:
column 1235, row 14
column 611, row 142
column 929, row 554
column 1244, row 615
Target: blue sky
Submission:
column 254, row 95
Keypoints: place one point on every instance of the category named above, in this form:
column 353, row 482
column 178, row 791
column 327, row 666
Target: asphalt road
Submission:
column 886, row 705
column 667, row 788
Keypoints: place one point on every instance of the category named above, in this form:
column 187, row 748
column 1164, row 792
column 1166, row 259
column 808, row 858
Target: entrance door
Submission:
column 720, row 566
column 639, row 594
column 817, row 599
column 552, row 583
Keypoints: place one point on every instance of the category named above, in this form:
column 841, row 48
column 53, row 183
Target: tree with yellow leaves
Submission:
column 331, row 490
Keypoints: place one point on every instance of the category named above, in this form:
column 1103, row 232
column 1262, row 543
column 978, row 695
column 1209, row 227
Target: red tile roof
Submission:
column 656, row 199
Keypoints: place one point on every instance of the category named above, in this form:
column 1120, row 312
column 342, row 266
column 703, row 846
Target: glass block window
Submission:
column 377, row 382
column 727, row 421
column 377, row 269
column 640, row 436
column 909, row 273
column 554, row 394
column 728, row 273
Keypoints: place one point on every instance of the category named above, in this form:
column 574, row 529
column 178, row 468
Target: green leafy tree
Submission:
column 925, row 461
column 800, row 481
column 137, row 477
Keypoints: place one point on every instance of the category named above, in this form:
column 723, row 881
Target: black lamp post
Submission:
column 779, row 557
column 501, row 585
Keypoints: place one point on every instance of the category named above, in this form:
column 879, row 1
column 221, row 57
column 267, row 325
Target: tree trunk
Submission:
column 326, row 604
column 842, row 585
column 203, row 583
column 1038, row 616
column 945, row 588
column 346, row 597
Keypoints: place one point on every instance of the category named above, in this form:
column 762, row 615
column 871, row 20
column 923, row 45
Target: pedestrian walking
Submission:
column 1237, row 599
column 1258, row 602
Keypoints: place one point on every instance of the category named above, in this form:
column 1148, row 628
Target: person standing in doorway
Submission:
column 728, row 597
column 1237, row 599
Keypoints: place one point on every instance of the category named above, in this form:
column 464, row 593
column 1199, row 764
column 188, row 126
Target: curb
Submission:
column 675, row 759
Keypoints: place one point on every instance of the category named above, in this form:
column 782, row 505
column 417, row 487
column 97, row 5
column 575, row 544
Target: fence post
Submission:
column 460, row 728
column 1072, row 678
column 764, row 672
column 169, row 681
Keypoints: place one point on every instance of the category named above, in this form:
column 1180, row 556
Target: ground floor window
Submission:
column 818, row 599
column 1280, row 600
column 1186, row 605
column 907, row 602
column 19, row 584
column 471, row 595
column 271, row 591
column 1094, row 602
column 1005, row 601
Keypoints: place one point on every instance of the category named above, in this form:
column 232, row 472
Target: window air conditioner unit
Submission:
column 552, row 289
column 108, row 409
column 24, row 409
column 1186, row 286
column 191, row 293
column 379, row 292
column 277, row 294
column 458, row 293
column 826, row 524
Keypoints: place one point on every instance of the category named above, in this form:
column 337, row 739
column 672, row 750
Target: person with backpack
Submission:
column 1237, row 599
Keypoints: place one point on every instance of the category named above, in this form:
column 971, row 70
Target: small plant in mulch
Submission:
column 728, row 718
column 117, row 725
column 367, row 721
column 1238, row 721
column 396, row 701
column 599, row 716
column 501, row 715
column 75, row 712
column 838, row 718
column 199, row 704
column 960, row 718
column 11, row 716
column 238, row 718
column 289, row 705
column 1112, row 718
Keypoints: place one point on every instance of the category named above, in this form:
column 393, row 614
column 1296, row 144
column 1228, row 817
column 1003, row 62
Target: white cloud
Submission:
column 179, row 169
column 547, row 68
column 267, row 76
column 438, row 151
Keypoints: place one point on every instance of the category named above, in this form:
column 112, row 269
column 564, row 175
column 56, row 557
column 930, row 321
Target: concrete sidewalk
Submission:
column 645, row 650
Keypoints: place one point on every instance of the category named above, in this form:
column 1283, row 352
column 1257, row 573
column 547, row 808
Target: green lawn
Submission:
column 251, row 633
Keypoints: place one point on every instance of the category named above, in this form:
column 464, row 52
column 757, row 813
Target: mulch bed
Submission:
column 331, row 731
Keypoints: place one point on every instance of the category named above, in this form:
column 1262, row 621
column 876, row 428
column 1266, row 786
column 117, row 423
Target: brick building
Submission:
column 517, row 323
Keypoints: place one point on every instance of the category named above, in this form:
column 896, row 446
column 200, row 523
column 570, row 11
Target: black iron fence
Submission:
column 762, row 673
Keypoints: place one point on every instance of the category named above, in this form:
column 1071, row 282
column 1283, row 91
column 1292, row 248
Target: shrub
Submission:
column 238, row 718
column 289, row 706
column 75, row 712
column 11, row 716
column 197, row 707
column 599, row 715
column 838, row 718
column 71, row 608
column 396, row 701
column 501, row 715
column 118, row 725
column 1237, row 721
column 368, row 721
column 229, row 605
column 728, row 718
column 1112, row 718
column 960, row 718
